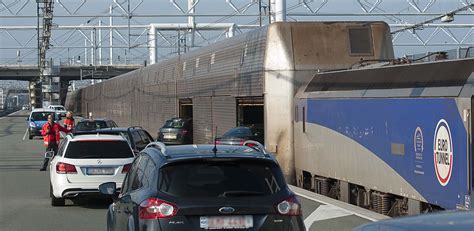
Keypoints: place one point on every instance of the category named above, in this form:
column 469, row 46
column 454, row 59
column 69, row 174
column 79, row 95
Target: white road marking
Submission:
column 351, row 209
column 324, row 212
column 26, row 132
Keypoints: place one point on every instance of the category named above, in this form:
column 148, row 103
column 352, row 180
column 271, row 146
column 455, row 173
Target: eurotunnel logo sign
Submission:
column 418, row 140
column 443, row 152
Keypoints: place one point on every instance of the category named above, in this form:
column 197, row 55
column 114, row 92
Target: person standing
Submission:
column 69, row 121
column 51, row 137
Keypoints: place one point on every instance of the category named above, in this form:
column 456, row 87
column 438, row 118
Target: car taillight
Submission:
column 126, row 168
column 290, row 207
column 184, row 132
column 248, row 144
column 153, row 208
column 218, row 142
column 63, row 168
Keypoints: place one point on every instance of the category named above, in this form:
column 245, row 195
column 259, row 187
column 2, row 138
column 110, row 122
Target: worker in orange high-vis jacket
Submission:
column 51, row 137
column 69, row 121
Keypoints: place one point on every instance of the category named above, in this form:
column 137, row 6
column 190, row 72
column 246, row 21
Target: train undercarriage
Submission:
column 380, row 202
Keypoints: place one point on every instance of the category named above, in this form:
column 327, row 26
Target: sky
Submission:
column 19, row 46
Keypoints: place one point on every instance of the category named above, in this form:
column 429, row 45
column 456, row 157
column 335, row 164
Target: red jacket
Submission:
column 69, row 123
column 53, row 133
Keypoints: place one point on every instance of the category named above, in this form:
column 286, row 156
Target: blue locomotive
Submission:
column 395, row 139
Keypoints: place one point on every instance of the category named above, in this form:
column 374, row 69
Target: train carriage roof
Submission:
column 449, row 78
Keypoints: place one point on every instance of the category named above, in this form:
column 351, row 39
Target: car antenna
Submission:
column 215, row 144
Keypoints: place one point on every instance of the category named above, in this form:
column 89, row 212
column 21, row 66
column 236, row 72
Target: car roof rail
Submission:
column 134, row 127
column 161, row 146
column 257, row 146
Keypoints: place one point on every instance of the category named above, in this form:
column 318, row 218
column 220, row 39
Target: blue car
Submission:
column 37, row 118
column 450, row 220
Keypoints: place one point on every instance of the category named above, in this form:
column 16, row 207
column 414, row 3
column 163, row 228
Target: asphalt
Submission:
column 24, row 190
column 25, row 202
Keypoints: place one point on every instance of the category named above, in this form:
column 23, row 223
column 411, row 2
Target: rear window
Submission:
column 98, row 150
column 41, row 116
column 221, row 179
column 90, row 125
column 174, row 124
column 238, row 132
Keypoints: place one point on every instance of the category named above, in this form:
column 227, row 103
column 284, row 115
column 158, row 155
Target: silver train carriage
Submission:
column 247, row 79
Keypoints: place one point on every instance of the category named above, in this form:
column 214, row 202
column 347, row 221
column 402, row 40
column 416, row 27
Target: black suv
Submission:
column 176, row 131
column 94, row 124
column 138, row 137
column 195, row 187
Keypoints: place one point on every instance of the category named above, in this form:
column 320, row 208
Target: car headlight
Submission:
column 32, row 124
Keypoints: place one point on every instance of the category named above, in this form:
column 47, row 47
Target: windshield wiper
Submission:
column 240, row 193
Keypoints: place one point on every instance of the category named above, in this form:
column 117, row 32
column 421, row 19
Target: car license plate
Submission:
column 169, row 136
column 226, row 222
column 100, row 171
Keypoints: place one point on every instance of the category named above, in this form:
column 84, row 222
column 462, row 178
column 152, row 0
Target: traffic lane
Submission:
column 24, row 191
column 25, row 202
column 324, row 213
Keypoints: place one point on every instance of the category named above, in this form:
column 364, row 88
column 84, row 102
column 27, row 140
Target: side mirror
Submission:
column 135, row 152
column 108, row 188
column 49, row 154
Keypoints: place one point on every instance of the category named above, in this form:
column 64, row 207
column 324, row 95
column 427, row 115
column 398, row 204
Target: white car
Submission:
column 83, row 162
column 59, row 109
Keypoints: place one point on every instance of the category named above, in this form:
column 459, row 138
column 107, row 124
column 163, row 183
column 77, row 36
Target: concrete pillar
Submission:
column 93, row 47
column 152, row 44
column 100, row 43
column 85, row 52
column 278, row 8
column 111, row 37
column 231, row 31
column 191, row 22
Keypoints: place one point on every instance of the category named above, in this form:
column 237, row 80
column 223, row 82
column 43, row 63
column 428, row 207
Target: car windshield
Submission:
column 221, row 179
column 107, row 149
column 238, row 132
column 40, row 116
column 90, row 125
column 60, row 108
column 174, row 124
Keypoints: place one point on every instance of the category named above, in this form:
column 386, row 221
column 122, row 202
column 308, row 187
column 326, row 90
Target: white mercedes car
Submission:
column 85, row 161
